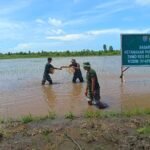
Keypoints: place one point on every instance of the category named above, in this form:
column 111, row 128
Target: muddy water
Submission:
column 21, row 92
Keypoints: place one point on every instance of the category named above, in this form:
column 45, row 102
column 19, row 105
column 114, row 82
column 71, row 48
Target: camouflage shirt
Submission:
column 92, row 74
column 47, row 68
column 75, row 65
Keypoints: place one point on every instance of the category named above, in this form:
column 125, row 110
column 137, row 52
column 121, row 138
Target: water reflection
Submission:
column 50, row 96
column 77, row 89
column 65, row 98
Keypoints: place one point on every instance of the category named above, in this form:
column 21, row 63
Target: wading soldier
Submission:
column 49, row 69
column 77, row 72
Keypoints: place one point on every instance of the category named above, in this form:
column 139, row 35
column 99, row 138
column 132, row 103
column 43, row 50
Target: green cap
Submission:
column 86, row 64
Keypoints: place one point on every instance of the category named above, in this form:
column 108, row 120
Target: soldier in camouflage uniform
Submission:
column 47, row 70
column 77, row 72
column 92, row 91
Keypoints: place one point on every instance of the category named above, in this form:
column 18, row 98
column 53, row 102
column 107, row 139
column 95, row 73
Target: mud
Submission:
column 86, row 134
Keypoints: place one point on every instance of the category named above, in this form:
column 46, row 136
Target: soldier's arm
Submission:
column 57, row 68
column 66, row 66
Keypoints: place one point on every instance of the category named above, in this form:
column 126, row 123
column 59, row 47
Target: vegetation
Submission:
column 87, row 114
column 99, row 114
column 1, row 120
column 27, row 119
column 144, row 130
column 51, row 115
column 30, row 118
column 92, row 114
column 70, row 116
column 84, row 52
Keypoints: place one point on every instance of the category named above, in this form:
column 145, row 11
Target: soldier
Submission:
column 92, row 91
column 77, row 72
column 48, row 69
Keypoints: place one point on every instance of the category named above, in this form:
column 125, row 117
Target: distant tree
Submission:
column 99, row 52
column 111, row 48
column 9, row 53
column 105, row 47
column 67, row 52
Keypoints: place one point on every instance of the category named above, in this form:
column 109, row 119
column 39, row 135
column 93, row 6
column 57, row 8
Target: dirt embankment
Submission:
column 86, row 134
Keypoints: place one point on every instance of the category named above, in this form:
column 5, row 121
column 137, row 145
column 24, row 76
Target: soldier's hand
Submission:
column 85, row 93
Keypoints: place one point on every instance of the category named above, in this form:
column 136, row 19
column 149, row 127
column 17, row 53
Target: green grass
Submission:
column 93, row 114
column 30, row 118
column 144, row 130
column 70, row 116
column 27, row 119
column 2, row 120
column 136, row 112
column 104, row 114
column 51, row 115
column 87, row 114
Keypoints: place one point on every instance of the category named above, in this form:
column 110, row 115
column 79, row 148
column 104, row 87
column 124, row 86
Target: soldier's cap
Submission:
column 49, row 59
column 73, row 60
column 86, row 64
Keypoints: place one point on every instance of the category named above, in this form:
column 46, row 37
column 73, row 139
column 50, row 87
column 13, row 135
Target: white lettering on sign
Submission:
column 147, row 51
column 140, row 56
column 134, row 52
column 144, row 47
column 132, row 56
column 147, row 61
column 147, row 56
column 142, row 61
column 134, row 61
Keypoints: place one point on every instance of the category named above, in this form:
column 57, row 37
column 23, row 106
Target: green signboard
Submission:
column 135, row 49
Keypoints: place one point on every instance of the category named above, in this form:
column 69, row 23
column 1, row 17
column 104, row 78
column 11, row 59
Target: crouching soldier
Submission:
column 49, row 69
column 92, row 91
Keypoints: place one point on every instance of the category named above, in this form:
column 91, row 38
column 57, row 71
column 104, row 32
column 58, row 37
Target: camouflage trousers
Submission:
column 46, row 77
column 94, row 99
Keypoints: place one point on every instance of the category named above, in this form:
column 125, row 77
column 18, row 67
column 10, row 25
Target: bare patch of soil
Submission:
column 86, row 134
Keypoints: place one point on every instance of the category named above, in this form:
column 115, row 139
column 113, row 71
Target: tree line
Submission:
column 42, row 53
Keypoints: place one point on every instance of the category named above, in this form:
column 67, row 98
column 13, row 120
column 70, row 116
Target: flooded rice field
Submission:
column 21, row 92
